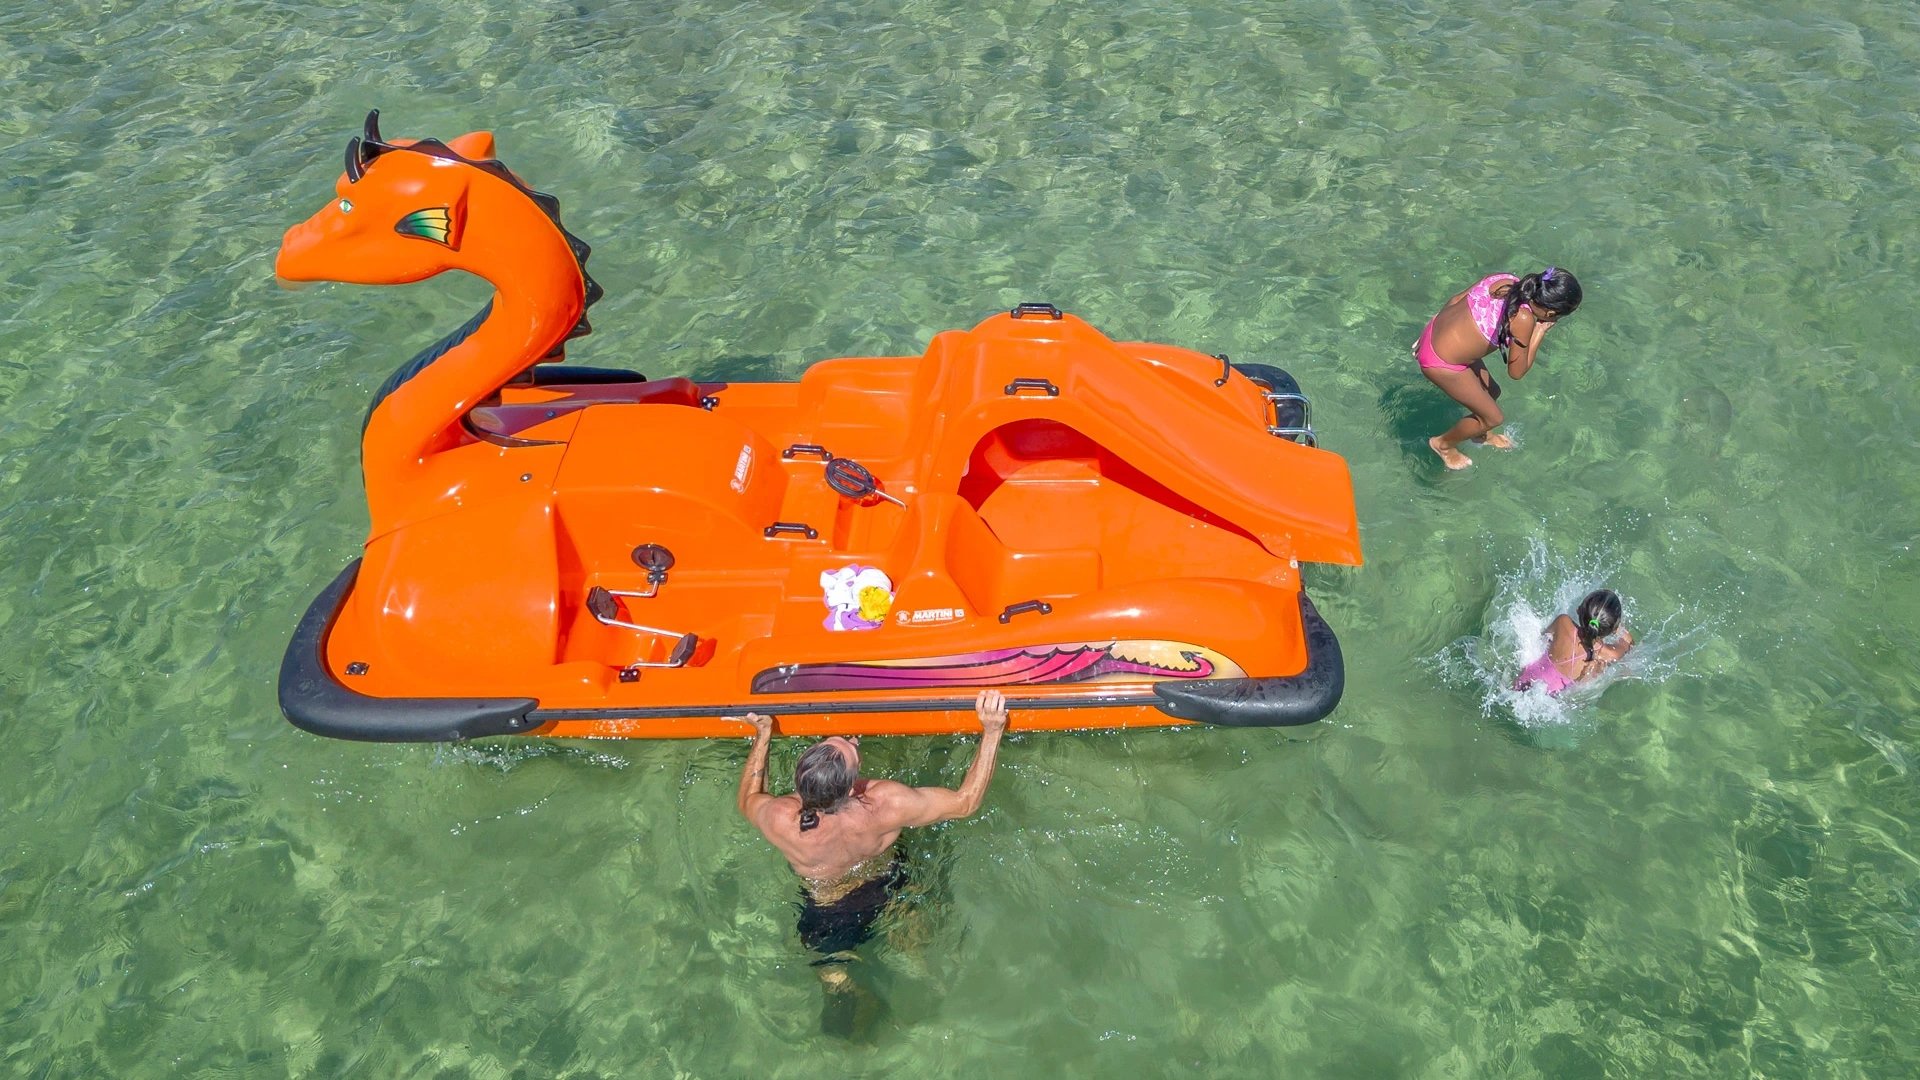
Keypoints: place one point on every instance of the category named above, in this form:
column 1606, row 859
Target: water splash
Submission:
column 1525, row 602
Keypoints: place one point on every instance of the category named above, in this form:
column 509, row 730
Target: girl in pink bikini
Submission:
column 1577, row 649
column 1499, row 311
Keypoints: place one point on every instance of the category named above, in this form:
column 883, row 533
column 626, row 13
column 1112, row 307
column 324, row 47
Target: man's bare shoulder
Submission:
column 882, row 791
column 890, row 800
column 883, row 795
column 777, row 811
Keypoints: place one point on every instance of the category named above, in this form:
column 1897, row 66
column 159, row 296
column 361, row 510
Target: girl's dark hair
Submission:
column 1555, row 290
column 823, row 778
column 1598, row 616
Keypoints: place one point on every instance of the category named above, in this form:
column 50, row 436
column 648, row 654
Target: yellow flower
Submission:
column 875, row 602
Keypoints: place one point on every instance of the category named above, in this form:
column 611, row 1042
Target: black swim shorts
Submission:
column 835, row 929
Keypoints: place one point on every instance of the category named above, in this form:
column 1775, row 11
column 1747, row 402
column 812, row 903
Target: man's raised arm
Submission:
column 753, row 778
column 927, row 805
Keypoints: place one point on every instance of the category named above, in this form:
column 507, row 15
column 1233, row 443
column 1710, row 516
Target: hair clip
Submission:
column 1548, row 276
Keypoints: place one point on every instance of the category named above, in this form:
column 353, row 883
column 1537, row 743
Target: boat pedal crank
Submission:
column 606, row 611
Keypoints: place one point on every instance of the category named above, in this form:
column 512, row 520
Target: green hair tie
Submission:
column 1594, row 622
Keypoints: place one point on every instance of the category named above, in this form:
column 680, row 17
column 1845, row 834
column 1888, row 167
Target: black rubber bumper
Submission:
column 1282, row 701
column 313, row 700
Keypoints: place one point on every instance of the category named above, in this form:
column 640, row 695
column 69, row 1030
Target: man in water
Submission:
column 838, row 830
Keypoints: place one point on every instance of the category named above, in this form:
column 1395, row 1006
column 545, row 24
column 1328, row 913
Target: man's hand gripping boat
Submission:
column 1110, row 532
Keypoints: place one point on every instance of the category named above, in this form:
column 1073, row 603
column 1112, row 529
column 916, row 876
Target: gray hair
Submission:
column 823, row 778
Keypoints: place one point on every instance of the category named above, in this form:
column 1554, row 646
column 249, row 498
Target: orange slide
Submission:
column 1111, row 532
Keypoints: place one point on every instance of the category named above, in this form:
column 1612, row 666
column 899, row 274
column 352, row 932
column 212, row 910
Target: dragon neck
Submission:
column 420, row 413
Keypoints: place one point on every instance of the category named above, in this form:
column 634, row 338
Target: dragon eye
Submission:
column 346, row 206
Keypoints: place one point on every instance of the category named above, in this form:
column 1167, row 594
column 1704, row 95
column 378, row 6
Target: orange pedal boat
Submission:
column 1111, row 532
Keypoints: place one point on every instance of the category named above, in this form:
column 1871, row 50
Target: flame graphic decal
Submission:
column 1031, row 665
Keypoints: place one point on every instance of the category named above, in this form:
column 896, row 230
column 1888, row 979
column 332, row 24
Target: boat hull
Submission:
column 314, row 699
column 1111, row 534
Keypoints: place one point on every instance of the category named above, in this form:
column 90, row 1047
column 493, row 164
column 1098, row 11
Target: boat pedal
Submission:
column 602, row 605
column 606, row 610
column 683, row 652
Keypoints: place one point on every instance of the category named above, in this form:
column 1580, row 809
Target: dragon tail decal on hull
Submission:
column 1032, row 665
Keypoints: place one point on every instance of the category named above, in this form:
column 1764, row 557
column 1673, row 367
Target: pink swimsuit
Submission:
column 1485, row 309
column 1545, row 672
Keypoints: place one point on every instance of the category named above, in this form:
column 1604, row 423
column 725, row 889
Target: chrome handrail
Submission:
column 1304, row 430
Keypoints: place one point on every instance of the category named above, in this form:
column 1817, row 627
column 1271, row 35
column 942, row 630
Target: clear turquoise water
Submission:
column 1710, row 870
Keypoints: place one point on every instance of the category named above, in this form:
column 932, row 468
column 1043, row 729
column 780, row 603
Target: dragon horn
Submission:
column 354, row 169
column 373, row 126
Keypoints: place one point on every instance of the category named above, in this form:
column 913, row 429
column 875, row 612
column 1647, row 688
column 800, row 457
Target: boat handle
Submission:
column 1040, row 606
column 1226, row 368
column 1305, row 428
column 1027, row 309
column 797, row 528
column 798, row 449
column 1018, row 385
column 1276, row 398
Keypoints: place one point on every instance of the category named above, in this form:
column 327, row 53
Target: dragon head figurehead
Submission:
column 409, row 209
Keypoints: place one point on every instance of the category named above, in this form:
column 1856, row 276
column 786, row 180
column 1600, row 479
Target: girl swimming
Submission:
column 1499, row 311
column 1577, row 650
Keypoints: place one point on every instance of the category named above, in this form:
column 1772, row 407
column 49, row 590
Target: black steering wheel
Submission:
column 851, row 479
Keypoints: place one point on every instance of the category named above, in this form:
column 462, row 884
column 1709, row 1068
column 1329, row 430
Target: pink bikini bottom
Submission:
column 1430, row 359
column 1545, row 672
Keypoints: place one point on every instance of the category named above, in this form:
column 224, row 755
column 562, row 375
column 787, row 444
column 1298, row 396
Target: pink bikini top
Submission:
column 1486, row 307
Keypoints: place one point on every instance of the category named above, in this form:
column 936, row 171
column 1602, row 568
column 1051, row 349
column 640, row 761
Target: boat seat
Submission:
column 524, row 406
column 994, row 576
column 953, row 559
